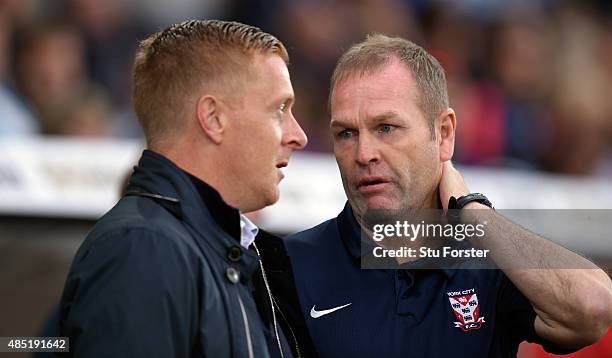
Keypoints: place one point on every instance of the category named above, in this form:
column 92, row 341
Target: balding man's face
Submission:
column 382, row 142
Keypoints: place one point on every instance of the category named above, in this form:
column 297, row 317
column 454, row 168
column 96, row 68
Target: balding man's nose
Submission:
column 367, row 151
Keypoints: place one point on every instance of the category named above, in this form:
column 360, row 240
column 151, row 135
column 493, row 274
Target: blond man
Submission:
column 167, row 272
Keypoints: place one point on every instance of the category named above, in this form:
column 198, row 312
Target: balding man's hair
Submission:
column 377, row 50
column 173, row 65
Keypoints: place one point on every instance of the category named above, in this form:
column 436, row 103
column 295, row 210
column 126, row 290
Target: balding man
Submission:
column 394, row 137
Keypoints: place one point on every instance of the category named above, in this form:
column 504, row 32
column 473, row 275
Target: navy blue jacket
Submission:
column 158, row 277
column 354, row 312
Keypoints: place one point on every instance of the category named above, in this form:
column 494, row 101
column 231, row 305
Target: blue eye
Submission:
column 386, row 128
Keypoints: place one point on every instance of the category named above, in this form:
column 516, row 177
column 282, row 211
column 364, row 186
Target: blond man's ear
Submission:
column 210, row 117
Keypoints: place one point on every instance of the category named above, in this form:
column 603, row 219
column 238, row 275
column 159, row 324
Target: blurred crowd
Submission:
column 530, row 80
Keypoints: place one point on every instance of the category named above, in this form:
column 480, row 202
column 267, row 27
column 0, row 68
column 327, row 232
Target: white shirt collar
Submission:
column 248, row 231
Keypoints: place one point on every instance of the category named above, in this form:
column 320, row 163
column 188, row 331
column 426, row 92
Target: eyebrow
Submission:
column 336, row 123
column 387, row 115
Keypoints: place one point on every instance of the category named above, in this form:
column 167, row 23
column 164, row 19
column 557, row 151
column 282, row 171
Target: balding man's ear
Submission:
column 208, row 113
column 447, row 123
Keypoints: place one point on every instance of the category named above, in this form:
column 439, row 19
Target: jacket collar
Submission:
column 227, row 217
column 355, row 241
column 195, row 203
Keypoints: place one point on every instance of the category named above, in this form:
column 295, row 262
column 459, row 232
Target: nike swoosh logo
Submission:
column 316, row 314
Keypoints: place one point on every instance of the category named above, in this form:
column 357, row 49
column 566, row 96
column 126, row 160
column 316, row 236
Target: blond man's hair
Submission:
column 172, row 66
column 377, row 50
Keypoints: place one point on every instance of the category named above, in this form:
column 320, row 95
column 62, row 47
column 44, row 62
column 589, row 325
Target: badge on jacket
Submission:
column 466, row 309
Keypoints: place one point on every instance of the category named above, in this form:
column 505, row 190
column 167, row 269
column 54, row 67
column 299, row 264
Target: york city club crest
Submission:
column 466, row 309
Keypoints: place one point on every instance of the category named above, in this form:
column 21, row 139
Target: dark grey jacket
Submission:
column 157, row 277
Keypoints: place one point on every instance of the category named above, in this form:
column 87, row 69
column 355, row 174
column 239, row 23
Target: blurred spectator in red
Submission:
column 477, row 100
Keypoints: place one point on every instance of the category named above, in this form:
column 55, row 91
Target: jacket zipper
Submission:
column 297, row 347
column 246, row 328
column 273, row 303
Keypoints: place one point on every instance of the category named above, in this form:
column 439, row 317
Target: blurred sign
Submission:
column 58, row 177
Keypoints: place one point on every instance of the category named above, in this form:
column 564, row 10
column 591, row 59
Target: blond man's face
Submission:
column 262, row 132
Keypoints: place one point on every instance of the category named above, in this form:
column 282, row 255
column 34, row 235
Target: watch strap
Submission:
column 461, row 202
